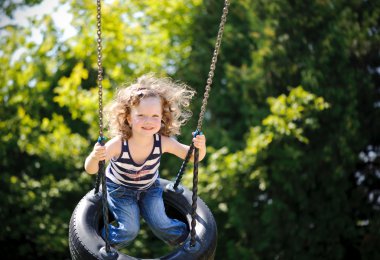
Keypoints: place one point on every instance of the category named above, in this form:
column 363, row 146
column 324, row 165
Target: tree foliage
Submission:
column 306, row 211
column 8, row 7
column 293, row 103
column 49, row 103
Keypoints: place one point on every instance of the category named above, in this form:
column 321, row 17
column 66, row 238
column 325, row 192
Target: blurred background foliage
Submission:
column 292, row 170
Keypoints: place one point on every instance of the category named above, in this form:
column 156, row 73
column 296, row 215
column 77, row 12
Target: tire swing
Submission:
column 91, row 213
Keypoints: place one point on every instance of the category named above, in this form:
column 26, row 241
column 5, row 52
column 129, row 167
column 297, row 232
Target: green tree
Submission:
column 277, row 177
column 49, row 110
column 330, row 48
column 253, row 190
column 8, row 7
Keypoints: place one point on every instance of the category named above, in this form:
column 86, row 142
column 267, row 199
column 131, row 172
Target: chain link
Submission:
column 100, row 66
column 200, row 120
column 207, row 90
column 101, row 172
column 213, row 64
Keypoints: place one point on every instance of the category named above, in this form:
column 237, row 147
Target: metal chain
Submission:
column 207, row 90
column 199, row 128
column 100, row 65
column 100, row 79
column 213, row 64
column 101, row 172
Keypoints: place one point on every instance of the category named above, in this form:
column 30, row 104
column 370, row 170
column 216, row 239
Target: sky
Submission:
column 58, row 11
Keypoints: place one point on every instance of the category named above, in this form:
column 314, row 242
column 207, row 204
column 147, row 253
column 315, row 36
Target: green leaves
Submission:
column 49, row 104
column 278, row 171
column 287, row 113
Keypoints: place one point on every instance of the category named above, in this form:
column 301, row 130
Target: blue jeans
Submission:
column 126, row 206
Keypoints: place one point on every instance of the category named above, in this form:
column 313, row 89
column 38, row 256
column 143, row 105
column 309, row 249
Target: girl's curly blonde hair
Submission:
column 175, row 100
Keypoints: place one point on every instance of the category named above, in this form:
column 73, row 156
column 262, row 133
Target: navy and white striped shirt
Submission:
column 124, row 171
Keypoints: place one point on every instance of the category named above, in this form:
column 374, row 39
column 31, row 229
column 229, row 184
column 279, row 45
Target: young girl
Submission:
column 142, row 119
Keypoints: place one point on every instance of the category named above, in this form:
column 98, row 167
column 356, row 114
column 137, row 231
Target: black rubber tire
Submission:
column 84, row 231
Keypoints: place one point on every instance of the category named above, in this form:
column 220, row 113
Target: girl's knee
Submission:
column 169, row 226
column 125, row 233
column 132, row 232
column 172, row 234
column 125, row 237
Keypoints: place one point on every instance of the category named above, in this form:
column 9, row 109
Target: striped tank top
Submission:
column 124, row 171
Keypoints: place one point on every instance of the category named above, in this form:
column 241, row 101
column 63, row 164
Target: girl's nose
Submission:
column 148, row 119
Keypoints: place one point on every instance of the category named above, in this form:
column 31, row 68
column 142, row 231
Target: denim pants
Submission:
column 126, row 206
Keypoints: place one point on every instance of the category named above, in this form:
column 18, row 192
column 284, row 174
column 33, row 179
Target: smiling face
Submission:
column 145, row 118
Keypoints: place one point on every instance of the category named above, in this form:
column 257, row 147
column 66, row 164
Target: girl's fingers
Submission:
column 199, row 141
column 99, row 152
column 199, row 138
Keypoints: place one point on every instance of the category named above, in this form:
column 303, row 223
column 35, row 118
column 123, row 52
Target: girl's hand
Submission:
column 200, row 142
column 99, row 152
